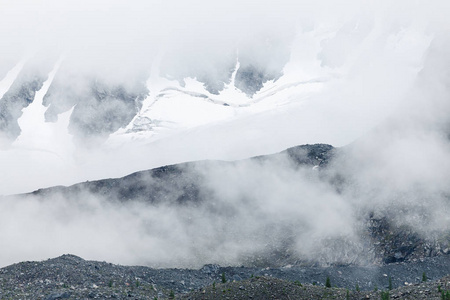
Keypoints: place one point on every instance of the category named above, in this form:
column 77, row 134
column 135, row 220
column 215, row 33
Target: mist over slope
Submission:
column 303, row 206
column 100, row 90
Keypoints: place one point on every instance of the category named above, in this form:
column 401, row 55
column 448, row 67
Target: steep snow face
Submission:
column 138, row 99
column 42, row 148
column 8, row 79
column 326, row 88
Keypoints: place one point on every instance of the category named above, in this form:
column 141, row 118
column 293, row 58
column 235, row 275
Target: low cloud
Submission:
column 383, row 65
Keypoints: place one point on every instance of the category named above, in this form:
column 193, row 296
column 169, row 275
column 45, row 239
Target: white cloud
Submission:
column 378, row 60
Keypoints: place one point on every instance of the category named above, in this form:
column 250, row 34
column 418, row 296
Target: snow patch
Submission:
column 8, row 80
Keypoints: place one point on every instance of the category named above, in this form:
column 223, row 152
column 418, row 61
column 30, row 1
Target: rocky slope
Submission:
column 380, row 239
column 71, row 277
column 271, row 288
column 182, row 183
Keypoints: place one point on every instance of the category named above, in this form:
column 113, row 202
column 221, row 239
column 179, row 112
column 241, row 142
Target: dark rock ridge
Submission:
column 181, row 183
column 71, row 277
column 383, row 242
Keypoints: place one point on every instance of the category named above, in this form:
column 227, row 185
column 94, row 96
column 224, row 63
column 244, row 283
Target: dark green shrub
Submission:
column 385, row 295
column 328, row 282
column 224, row 279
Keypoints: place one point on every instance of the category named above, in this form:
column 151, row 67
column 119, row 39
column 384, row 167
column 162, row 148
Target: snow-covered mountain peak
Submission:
column 192, row 92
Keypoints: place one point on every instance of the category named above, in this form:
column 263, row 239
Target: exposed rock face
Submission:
column 251, row 79
column 106, row 109
column 215, row 80
column 213, row 72
column 19, row 96
column 397, row 244
column 393, row 244
column 312, row 155
column 100, row 108
column 260, row 59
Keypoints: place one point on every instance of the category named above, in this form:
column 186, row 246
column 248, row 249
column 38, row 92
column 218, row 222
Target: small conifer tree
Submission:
column 328, row 282
column 385, row 295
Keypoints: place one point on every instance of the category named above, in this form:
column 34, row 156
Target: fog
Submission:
column 381, row 93
column 402, row 165
column 249, row 210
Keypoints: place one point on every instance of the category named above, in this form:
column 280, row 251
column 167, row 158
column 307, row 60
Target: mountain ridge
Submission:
column 380, row 240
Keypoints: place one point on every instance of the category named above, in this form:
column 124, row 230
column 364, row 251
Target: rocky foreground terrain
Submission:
column 71, row 277
column 394, row 261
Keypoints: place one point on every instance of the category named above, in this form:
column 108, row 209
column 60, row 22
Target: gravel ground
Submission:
column 71, row 277
column 262, row 288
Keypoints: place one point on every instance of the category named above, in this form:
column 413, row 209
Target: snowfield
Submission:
column 325, row 94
